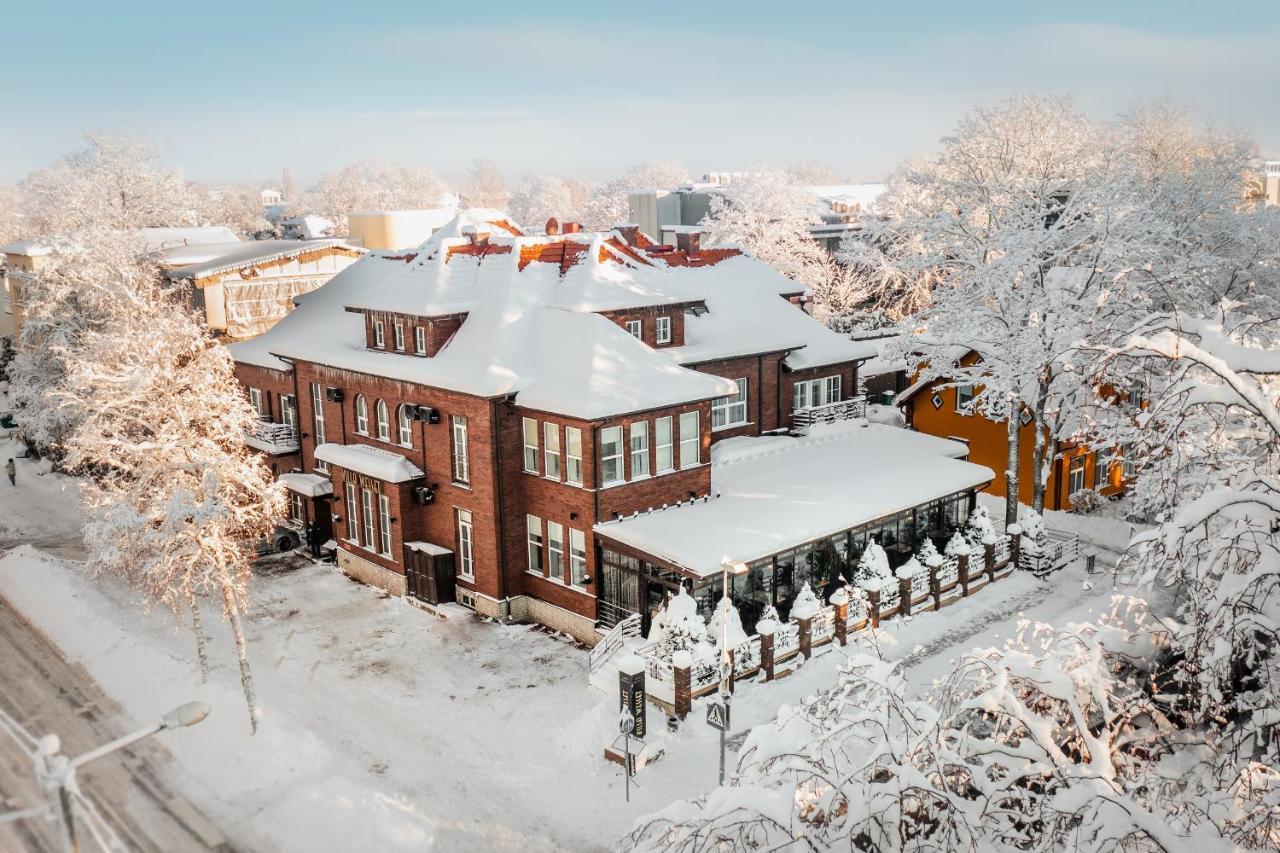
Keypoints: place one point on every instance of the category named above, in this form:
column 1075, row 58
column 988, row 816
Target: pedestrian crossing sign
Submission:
column 718, row 716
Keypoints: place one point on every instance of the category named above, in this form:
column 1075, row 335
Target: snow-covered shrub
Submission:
column 806, row 605
column 1085, row 501
column 980, row 530
column 910, row 569
column 957, row 545
column 872, row 570
column 724, row 619
column 928, row 553
column 678, row 627
column 1034, row 532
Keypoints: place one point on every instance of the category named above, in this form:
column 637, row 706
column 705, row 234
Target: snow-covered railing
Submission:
column 705, row 673
column 659, row 677
column 1057, row 550
column 746, row 657
column 948, row 573
column 857, row 611
column 1002, row 550
column 272, row 437
column 786, row 640
column 612, row 641
column 920, row 586
column 889, row 598
column 823, row 627
column 829, row 413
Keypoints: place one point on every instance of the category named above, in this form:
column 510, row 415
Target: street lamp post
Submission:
column 728, row 567
column 57, row 774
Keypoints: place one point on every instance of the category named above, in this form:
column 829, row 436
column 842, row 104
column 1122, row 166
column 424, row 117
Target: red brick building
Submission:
column 466, row 420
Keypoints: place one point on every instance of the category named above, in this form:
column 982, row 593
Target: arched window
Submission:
column 362, row 415
column 406, row 426
column 384, row 422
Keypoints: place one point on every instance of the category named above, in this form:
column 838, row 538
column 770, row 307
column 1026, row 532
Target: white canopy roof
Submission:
column 374, row 461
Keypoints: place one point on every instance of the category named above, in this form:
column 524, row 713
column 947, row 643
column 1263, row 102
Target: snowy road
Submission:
column 45, row 693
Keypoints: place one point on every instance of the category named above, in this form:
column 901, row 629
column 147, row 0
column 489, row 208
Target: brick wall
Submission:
column 647, row 316
column 848, row 373
column 762, row 372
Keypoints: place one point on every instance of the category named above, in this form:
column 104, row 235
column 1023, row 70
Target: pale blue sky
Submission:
column 236, row 90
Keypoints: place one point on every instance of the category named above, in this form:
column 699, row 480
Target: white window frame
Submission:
column 573, row 456
column 296, row 511
column 289, row 411
column 420, row 340
column 534, row 564
column 382, row 419
column 362, row 415
column 255, row 400
column 466, row 545
column 964, row 396
column 577, row 558
column 379, row 335
column 1072, row 470
column 638, row 449
column 366, row 519
column 811, row 393
column 664, row 451
column 729, row 412
column 832, row 387
column 551, row 450
column 397, row 335
column 635, row 328
column 611, row 435
column 404, row 426
column 384, row 526
column 317, row 417
column 529, row 430
column 555, row 551
column 353, row 515
column 690, row 437
column 461, row 457
column 662, row 330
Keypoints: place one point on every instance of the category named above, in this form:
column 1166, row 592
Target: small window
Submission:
column 639, row 449
column 384, row 525
column 635, row 328
column 466, row 560
column 551, row 449
column 1075, row 475
column 533, row 525
column 964, row 399
column 664, row 449
column 255, row 400
column 397, row 330
column 662, row 330
column 383, row 420
column 690, row 440
column 353, row 515
column 1136, row 394
column 289, row 411
column 530, row 428
column 573, row 456
column 420, row 340
column 731, row 411
column 832, row 387
column 611, row 455
column 366, row 506
column 379, row 335
column 577, row 557
column 555, row 550
column 461, row 460
column 362, row 415
column 297, row 513
column 404, row 425
column 317, row 411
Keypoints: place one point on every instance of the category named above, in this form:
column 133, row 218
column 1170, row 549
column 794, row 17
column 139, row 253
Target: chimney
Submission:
column 571, row 228
column 689, row 242
column 629, row 232
column 553, row 226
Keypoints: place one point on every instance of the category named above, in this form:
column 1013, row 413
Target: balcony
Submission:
column 275, row 439
column 855, row 407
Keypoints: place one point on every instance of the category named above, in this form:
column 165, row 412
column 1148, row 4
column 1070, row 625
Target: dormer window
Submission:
column 379, row 335
column 398, row 331
column 635, row 328
column 662, row 330
column 420, row 340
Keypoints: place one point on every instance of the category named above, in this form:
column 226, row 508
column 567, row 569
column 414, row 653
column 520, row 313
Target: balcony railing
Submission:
column 272, row 437
column 854, row 407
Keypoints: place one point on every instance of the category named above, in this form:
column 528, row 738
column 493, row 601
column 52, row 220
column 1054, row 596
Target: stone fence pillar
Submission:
column 682, row 667
column 873, row 607
column 935, row 587
column 840, row 601
column 766, row 646
column 1015, row 545
column 806, row 637
column 904, row 596
column 962, row 573
column 989, row 560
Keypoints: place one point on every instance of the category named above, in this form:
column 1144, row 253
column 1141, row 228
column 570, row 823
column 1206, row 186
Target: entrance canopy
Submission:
column 771, row 494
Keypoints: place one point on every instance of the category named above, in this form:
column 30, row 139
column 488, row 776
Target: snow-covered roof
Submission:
column 531, row 329
column 199, row 261
column 33, row 247
column 161, row 239
column 373, row 461
column 773, row 493
column 864, row 196
column 311, row 485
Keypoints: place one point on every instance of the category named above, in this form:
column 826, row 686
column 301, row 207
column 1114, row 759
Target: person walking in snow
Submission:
column 12, row 471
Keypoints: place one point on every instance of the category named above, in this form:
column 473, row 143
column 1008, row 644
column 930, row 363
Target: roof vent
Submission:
column 553, row 226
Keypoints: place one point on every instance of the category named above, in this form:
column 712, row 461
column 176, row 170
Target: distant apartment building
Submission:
column 396, row 229
column 1271, row 183
column 661, row 214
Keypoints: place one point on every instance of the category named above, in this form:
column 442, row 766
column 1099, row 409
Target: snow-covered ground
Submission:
column 387, row 728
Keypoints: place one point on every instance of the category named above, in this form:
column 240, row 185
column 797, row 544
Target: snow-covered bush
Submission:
column 806, row 605
column 910, row 569
column 872, row 570
column 1085, row 501
column 678, row 627
column 928, row 554
column 980, row 530
column 726, row 621
column 957, row 545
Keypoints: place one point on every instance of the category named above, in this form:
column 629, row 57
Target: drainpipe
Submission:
column 759, row 388
column 494, row 432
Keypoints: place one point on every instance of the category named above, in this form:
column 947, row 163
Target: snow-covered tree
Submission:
column 538, row 198
column 608, row 204
column 112, row 182
column 725, row 624
column 370, row 185
column 873, row 567
column 484, row 187
column 238, row 207
column 12, row 220
column 176, row 499
column 678, row 628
